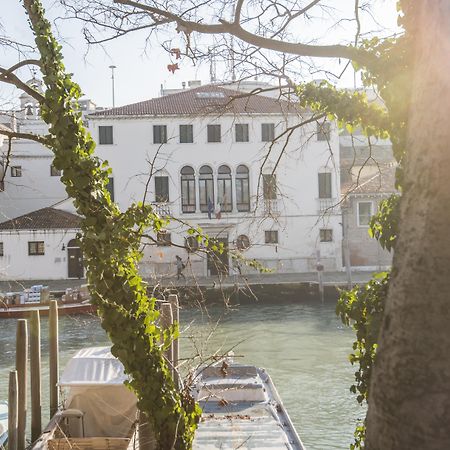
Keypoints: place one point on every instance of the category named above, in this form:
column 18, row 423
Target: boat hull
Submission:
column 18, row 312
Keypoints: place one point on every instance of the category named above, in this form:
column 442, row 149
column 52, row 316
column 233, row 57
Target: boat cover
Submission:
column 93, row 366
column 93, row 383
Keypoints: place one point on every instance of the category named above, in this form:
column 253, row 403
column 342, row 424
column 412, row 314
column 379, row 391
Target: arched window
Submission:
column 188, row 203
column 206, row 188
column 224, row 189
column 242, row 189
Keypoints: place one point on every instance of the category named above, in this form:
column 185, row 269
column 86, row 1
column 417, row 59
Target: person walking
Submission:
column 180, row 268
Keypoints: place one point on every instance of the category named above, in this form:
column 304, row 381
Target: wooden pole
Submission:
column 173, row 300
column 54, row 357
column 13, row 400
column 21, row 367
column 35, row 375
column 166, row 322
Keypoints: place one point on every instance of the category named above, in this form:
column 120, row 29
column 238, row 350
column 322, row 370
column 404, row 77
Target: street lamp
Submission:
column 112, row 67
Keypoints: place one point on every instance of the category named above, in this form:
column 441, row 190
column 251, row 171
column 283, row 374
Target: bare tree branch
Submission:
column 7, row 76
column 235, row 29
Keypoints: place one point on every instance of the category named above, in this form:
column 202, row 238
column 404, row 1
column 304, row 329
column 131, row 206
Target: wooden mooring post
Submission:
column 35, row 375
column 54, row 356
column 21, row 368
column 166, row 322
column 173, row 300
column 13, row 400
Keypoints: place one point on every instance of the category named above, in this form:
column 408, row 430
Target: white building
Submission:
column 207, row 158
column 30, row 181
column 40, row 245
column 202, row 149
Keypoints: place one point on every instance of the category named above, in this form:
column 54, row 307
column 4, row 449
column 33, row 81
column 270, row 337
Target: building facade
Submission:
column 361, row 202
column 239, row 167
column 208, row 160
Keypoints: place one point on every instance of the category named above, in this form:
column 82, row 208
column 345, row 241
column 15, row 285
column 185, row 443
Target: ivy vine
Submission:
column 110, row 241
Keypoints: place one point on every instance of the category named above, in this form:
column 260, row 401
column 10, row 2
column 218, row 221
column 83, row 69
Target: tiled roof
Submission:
column 209, row 99
column 382, row 182
column 43, row 219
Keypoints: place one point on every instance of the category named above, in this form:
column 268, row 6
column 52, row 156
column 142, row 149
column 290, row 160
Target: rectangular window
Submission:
column 270, row 186
column 267, row 132
column 160, row 134
column 54, row 172
column 214, row 133
column 110, row 187
column 271, row 237
column 36, row 248
column 365, row 213
column 1, row 249
column 323, row 131
column 161, row 189
column 325, row 185
column 326, row 235
column 163, row 239
column 186, row 134
column 16, row 171
column 105, row 135
column 241, row 130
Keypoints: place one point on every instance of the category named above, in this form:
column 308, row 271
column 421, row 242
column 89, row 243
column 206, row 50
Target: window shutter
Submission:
column 161, row 189
column 324, row 185
column 270, row 187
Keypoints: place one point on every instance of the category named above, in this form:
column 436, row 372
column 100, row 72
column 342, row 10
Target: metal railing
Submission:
column 271, row 206
column 327, row 204
column 162, row 209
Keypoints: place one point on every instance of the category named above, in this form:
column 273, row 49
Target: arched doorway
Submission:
column 74, row 259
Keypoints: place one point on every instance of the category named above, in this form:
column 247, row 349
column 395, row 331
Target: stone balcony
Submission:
column 162, row 209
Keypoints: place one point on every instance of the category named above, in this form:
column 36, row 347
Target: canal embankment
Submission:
column 241, row 288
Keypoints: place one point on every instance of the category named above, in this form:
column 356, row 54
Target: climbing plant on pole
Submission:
column 110, row 242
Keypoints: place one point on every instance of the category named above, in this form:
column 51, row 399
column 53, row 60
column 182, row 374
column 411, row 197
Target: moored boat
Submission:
column 99, row 411
column 241, row 409
column 23, row 311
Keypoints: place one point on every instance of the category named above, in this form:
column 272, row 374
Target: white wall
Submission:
column 16, row 264
column 35, row 189
column 299, row 220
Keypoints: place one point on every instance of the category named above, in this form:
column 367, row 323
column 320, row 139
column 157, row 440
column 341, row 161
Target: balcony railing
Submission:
column 327, row 204
column 271, row 207
column 162, row 209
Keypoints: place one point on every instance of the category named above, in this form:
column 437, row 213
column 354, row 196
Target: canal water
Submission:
column 304, row 348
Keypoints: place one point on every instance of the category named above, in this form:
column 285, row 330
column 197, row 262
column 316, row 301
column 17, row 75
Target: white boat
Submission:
column 99, row 410
column 3, row 423
column 241, row 409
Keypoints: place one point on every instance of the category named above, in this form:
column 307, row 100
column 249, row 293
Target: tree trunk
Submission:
column 409, row 403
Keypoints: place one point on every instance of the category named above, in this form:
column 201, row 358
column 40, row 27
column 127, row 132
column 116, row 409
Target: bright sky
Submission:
column 140, row 71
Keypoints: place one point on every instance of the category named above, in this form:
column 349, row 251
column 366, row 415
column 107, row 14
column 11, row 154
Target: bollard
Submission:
column 13, row 400
column 35, row 375
column 21, row 367
column 54, row 356
column 173, row 300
